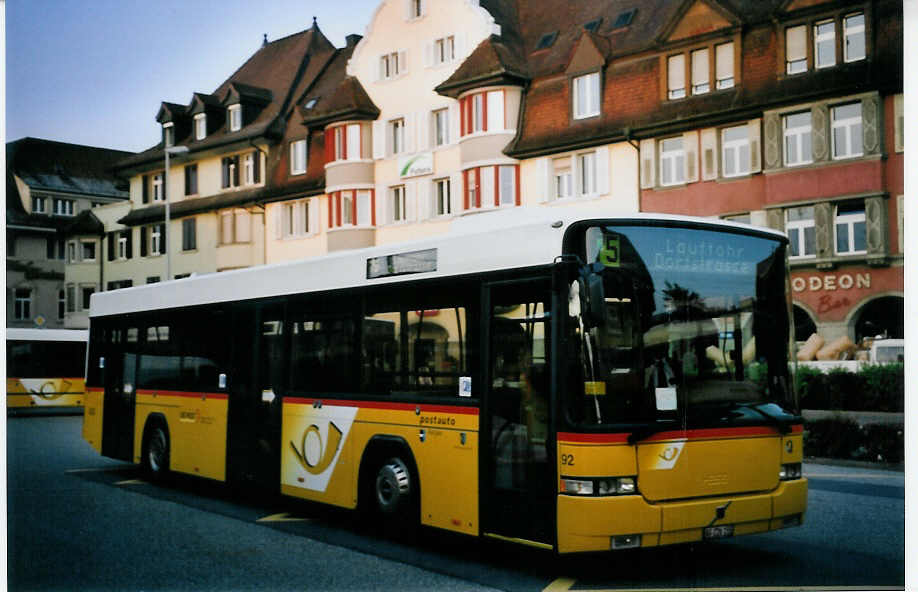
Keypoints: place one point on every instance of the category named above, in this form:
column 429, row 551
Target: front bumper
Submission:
column 589, row 523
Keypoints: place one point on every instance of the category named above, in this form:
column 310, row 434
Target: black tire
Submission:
column 394, row 489
column 155, row 453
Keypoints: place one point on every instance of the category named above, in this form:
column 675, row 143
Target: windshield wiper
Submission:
column 783, row 426
column 646, row 431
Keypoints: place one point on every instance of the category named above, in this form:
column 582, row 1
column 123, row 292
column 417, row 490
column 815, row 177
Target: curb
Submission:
column 858, row 464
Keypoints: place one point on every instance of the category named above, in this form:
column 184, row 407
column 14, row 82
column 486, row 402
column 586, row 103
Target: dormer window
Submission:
column 690, row 72
column 168, row 134
column 586, row 96
column 200, row 126
column 235, row 118
column 311, row 103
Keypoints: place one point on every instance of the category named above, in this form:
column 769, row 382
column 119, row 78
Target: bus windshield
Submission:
column 694, row 321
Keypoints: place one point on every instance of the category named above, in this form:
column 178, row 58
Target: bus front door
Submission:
column 118, row 406
column 253, row 424
column 517, row 466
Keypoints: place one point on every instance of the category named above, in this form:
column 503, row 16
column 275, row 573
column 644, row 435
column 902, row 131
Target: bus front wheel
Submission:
column 156, row 452
column 394, row 490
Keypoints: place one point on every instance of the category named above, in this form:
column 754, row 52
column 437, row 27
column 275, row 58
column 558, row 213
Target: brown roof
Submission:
column 277, row 70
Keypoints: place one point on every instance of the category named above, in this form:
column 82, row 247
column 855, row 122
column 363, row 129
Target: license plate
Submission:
column 718, row 532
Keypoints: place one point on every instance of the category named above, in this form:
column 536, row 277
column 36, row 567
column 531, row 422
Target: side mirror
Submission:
column 592, row 297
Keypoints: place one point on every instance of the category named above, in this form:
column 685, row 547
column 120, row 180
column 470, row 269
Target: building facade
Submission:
column 51, row 190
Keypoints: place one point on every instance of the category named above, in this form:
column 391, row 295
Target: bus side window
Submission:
column 322, row 352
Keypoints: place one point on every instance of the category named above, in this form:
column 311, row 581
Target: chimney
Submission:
column 265, row 42
column 353, row 39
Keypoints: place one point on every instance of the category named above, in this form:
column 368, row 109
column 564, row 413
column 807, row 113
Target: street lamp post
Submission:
column 169, row 150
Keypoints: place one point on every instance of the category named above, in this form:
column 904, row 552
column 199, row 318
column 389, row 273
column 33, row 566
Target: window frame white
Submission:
column 157, row 194
column 234, row 114
column 586, row 95
column 586, row 166
column 796, row 135
column 734, row 148
column 63, row 206
column 850, row 221
column 39, row 204
column 168, row 134
column 506, row 196
column 496, row 120
column 799, row 227
column 298, row 157
column 200, row 126
column 724, row 62
column 390, row 66
column 444, row 50
column 675, row 71
column 398, row 212
column 850, row 125
column 397, row 136
column 156, row 240
column 563, row 178
column 442, row 201
column 22, row 304
column 825, row 39
column 440, row 119
column 675, row 159
column 850, row 31
column 88, row 250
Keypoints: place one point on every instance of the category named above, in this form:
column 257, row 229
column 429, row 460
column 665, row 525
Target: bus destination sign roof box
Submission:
column 402, row 264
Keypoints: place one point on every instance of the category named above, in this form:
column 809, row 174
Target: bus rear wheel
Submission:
column 156, row 452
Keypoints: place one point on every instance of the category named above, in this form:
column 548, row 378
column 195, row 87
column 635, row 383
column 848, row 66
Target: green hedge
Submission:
column 845, row 439
column 873, row 388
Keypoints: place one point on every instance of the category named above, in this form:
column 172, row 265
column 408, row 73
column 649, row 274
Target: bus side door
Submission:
column 120, row 391
column 517, row 467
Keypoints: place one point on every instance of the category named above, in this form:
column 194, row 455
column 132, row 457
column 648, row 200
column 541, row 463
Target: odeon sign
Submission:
column 831, row 282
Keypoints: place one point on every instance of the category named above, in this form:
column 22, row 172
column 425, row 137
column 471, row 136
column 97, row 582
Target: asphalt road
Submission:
column 79, row 521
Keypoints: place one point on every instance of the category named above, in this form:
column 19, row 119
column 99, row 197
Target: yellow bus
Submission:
column 45, row 368
column 560, row 379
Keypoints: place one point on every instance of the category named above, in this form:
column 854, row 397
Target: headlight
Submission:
column 600, row 487
column 790, row 471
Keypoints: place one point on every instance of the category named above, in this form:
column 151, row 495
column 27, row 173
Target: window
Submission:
column 158, row 187
column 735, row 142
column 824, row 43
column 353, row 142
column 847, row 136
column 397, row 136
column 390, row 65
column 444, row 50
column 491, row 186
column 71, row 252
column 798, row 142
column 23, row 304
column 54, row 247
column 124, row 244
column 507, row 185
column 298, row 157
column 700, row 72
column 481, row 112
column 61, row 304
column 676, row 76
column 348, row 209
column 441, row 127
column 157, row 237
column 230, row 171
column 724, row 65
column 295, row 219
column 415, row 9
column 200, row 126
column 795, row 49
column 546, row 40
column 235, row 117
column 63, row 207
column 855, row 45
column 253, row 168
column 801, row 230
column 364, row 208
column 38, row 204
column 191, row 179
column 168, row 134
column 586, row 96
column 850, row 229
column 397, row 204
column 88, row 250
column 587, row 165
column 441, row 195
column 71, row 297
column 563, row 180
column 153, row 279
column 189, row 240
column 234, row 227
column 672, row 162
column 85, row 293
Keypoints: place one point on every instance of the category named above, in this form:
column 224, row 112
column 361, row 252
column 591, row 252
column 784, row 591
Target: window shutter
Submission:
column 225, row 167
column 454, row 121
column 820, row 132
column 313, row 206
column 455, row 193
column 676, row 72
column 143, row 241
column 236, row 171
column 277, row 213
column 402, row 61
column 329, row 144
column 543, row 179
column 423, row 199
column 724, row 59
column 130, row 242
column 379, row 139
column 648, row 172
column 256, row 163
column 145, row 188
column 690, row 144
column 110, row 238
column 429, row 54
column 870, row 118
column 576, row 175
column 162, row 239
column 709, row 154
column 423, row 125
column 410, row 132
column 382, row 200
column 603, row 170
column 755, row 145
column 899, row 113
column 796, row 43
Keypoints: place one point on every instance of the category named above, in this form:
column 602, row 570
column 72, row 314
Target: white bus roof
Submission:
column 506, row 239
column 47, row 334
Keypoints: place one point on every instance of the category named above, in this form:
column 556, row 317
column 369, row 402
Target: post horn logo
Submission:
column 325, row 460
